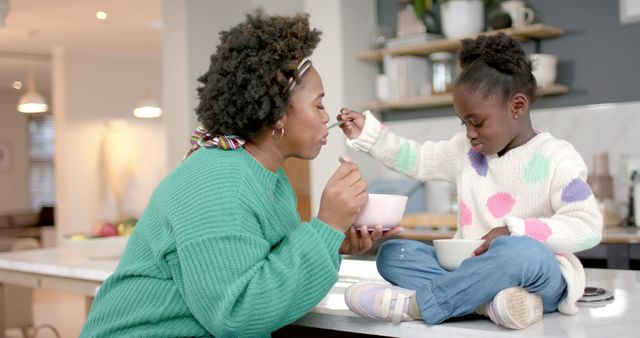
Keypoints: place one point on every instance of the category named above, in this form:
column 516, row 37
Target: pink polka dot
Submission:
column 500, row 204
column 537, row 229
column 383, row 127
column 465, row 214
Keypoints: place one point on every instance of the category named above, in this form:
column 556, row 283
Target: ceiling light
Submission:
column 32, row 101
column 101, row 15
column 17, row 85
column 4, row 10
column 147, row 108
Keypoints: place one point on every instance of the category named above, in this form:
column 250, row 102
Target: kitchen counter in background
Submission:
column 618, row 247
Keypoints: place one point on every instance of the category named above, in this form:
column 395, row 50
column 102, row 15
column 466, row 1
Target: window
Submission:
column 41, row 152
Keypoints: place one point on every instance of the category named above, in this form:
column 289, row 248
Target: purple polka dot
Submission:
column 478, row 162
column 577, row 190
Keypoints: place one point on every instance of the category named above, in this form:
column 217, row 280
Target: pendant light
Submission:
column 147, row 108
column 32, row 101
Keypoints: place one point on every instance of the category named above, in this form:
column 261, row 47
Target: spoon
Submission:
column 338, row 123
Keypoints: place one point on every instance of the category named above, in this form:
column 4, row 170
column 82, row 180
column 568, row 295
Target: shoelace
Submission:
column 396, row 315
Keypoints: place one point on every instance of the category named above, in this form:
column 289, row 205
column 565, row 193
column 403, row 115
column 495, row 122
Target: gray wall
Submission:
column 599, row 58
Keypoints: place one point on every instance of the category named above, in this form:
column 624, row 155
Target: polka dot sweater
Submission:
column 219, row 251
column 538, row 190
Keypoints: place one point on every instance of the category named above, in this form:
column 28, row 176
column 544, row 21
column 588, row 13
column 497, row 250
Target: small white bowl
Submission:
column 383, row 209
column 451, row 252
column 98, row 247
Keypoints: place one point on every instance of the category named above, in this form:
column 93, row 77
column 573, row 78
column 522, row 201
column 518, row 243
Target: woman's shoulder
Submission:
column 207, row 168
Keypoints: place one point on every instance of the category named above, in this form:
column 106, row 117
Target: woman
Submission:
column 220, row 249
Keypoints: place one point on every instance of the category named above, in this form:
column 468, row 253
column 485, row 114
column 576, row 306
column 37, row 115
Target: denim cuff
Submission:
column 431, row 312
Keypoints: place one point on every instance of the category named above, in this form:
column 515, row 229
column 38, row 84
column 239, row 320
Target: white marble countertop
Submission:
column 617, row 319
column 621, row 318
column 59, row 262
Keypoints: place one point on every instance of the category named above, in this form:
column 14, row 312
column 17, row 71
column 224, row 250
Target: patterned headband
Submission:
column 303, row 66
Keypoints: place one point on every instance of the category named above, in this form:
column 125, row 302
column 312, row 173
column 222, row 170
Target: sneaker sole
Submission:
column 519, row 308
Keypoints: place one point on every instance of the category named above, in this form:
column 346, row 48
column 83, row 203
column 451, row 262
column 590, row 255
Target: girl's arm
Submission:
column 428, row 161
column 576, row 224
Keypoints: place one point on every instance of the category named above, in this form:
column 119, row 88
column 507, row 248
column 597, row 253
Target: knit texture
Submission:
column 538, row 190
column 219, row 250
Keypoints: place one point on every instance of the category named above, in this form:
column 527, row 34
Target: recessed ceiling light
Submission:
column 17, row 85
column 101, row 15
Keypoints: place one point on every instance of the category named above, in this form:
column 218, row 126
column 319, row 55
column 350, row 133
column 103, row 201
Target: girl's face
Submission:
column 305, row 121
column 490, row 123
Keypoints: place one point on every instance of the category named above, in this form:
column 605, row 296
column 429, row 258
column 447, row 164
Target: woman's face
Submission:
column 490, row 125
column 305, row 121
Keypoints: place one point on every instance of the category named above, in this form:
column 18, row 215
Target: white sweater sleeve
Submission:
column 576, row 224
column 428, row 161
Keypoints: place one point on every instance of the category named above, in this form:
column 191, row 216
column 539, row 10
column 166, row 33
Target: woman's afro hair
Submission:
column 246, row 87
column 496, row 64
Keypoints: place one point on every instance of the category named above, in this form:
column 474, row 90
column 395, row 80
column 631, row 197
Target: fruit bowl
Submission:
column 98, row 247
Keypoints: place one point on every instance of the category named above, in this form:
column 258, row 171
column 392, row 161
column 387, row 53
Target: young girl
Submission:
column 522, row 191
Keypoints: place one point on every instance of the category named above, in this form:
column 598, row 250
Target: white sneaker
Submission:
column 515, row 308
column 382, row 301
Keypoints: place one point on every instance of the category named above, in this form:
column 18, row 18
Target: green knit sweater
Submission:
column 219, row 250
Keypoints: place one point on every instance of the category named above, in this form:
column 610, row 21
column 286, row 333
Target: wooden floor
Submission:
column 64, row 311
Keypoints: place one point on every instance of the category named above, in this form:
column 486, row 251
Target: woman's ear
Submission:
column 518, row 105
column 282, row 121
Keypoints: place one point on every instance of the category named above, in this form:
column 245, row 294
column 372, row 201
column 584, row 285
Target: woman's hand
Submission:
column 489, row 237
column 354, row 122
column 343, row 197
column 359, row 241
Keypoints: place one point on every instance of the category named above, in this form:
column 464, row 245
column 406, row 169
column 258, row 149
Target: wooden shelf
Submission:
column 554, row 89
column 529, row 32
column 442, row 100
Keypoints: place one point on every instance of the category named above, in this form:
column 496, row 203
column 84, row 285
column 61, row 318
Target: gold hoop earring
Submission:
column 273, row 133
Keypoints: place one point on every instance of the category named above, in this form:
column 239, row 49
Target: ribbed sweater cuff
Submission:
column 332, row 237
column 515, row 226
column 368, row 136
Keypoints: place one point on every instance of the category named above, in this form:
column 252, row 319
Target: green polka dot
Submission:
column 406, row 158
column 588, row 243
column 537, row 169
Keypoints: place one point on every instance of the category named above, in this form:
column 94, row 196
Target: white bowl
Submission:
column 98, row 247
column 451, row 252
column 544, row 68
column 386, row 210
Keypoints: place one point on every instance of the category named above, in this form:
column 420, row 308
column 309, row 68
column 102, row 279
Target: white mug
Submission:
column 544, row 68
column 520, row 14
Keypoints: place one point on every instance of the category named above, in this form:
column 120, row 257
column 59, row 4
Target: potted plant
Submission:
column 459, row 18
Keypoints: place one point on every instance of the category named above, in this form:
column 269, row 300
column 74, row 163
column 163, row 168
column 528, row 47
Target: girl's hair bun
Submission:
column 496, row 64
column 497, row 51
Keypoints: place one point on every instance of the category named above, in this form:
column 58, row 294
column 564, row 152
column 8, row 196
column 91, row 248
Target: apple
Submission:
column 107, row 230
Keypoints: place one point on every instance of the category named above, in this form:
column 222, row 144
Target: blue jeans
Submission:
column 510, row 261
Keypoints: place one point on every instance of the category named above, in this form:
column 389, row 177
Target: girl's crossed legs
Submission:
column 440, row 294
